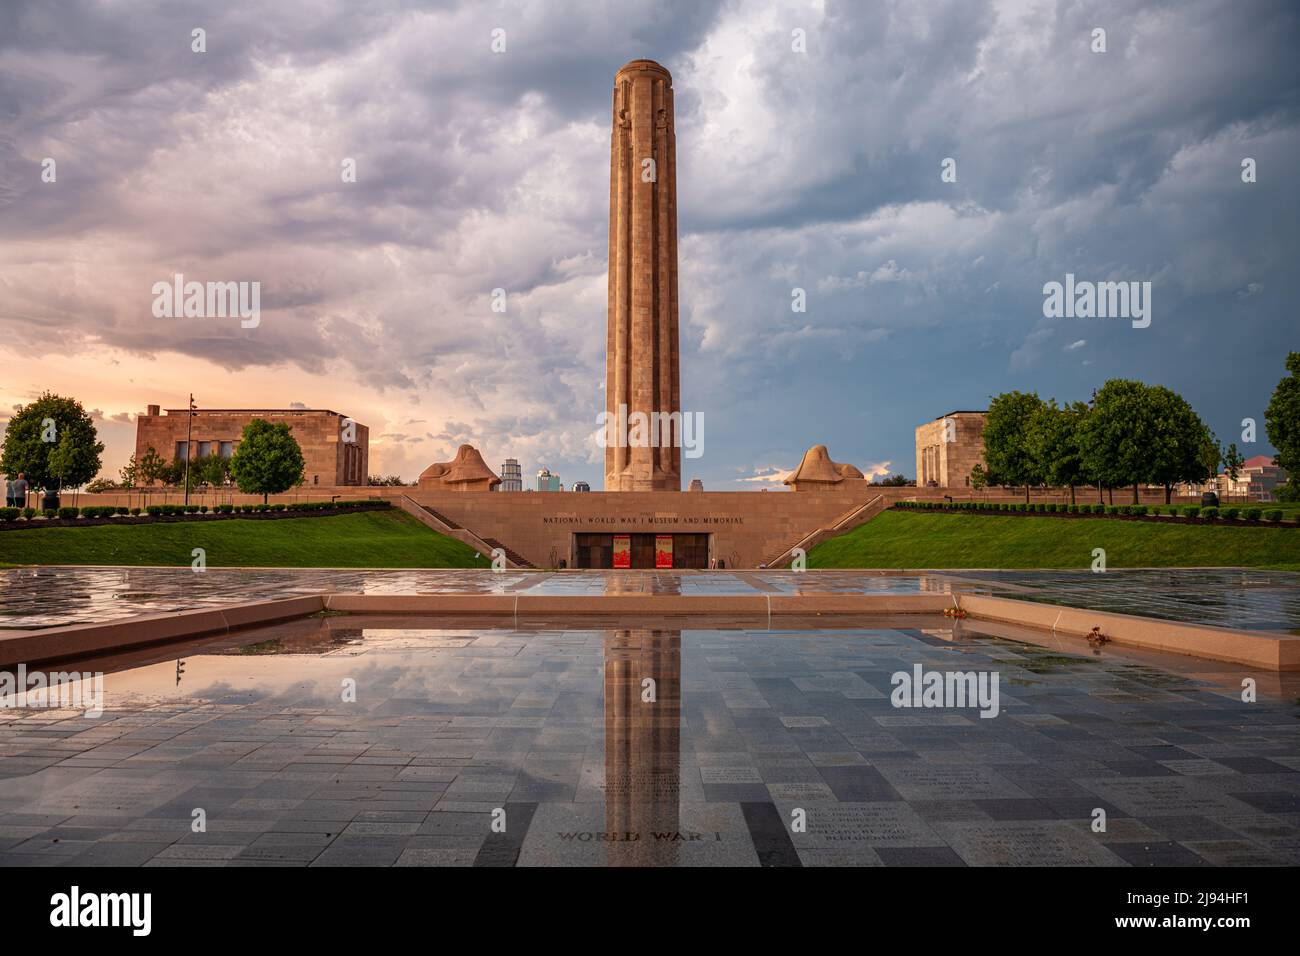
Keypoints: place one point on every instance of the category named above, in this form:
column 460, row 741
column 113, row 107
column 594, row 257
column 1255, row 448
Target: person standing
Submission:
column 9, row 492
column 20, row 491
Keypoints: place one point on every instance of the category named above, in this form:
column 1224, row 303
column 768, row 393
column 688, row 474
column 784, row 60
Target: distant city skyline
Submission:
column 914, row 177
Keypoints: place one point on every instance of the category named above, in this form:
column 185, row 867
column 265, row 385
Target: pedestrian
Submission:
column 9, row 492
column 20, row 491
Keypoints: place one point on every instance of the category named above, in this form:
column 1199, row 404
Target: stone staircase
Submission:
column 443, row 525
column 857, row 516
column 441, row 517
column 512, row 557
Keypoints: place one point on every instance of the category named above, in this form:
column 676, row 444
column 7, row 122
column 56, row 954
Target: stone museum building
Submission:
column 948, row 448
column 322, row 434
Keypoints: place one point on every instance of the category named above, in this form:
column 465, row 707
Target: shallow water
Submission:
column 1245, row 599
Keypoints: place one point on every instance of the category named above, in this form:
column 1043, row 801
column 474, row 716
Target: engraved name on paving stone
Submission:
column 864, row 824
column 1055, row 843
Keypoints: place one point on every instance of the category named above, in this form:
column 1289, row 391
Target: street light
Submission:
column 189, row 430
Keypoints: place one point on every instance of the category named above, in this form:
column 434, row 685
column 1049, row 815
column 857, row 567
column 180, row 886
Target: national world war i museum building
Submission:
column 642, row 363
column 335, row 448
column 948, row 449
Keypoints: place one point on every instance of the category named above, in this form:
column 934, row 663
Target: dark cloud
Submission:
column 478, row 171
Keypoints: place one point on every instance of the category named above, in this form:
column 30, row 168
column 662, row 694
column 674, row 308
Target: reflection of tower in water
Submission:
column 642, row 746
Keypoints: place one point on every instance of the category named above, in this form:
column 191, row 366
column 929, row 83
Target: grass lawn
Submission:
column 366, row 539
column 897, row 539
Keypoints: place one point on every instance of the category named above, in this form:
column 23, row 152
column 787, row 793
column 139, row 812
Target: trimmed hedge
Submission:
column 171, row 510
column 1053, row 508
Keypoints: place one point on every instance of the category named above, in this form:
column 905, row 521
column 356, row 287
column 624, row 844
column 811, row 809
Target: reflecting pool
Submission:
column 382, row 741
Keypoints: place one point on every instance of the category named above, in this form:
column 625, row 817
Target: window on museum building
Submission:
column 205, row 449
column 227, row 449
column 182, row 450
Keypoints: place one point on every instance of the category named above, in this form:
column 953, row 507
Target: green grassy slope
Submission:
column 367, row 539
column 907, row 540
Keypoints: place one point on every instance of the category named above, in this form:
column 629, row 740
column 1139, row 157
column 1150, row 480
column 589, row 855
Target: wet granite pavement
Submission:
column 741, row 729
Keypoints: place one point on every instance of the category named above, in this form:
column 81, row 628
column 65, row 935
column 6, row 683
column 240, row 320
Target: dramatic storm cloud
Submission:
column 816, row 168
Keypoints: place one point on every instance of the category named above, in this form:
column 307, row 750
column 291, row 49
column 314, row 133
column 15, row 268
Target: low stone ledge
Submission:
column 79, row 640
column 420, row 603
column 1266, row 649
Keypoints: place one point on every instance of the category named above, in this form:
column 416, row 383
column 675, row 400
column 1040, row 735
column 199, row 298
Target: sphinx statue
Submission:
column 466, row 472
column 818, row 473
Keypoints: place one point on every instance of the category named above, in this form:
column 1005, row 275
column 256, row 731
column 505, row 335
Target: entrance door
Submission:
column 645, row 551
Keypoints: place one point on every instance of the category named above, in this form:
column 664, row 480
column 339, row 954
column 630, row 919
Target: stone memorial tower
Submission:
column 641, row 364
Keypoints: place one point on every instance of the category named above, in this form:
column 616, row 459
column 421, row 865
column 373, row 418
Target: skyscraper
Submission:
column 547, row 481
column 512, row 478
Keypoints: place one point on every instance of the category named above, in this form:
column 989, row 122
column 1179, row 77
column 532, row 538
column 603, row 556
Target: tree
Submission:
column 895, row 481
column 1007, row 451
column 268, row 459
column 979, row 478
column 1053, row 441
column 212, row 469
column 151, row 467
column 1182, row 447
column 178, row 476
column 1232, row 462
column 128, row 473
column 1117, row 434
column 53, row 442
column 1282, row 425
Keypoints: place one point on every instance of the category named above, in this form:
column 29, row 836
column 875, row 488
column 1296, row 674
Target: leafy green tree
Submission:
column 1232, row 462
column 1207, row 462
column 1182, row 447
column 268, row 459
column 979, row 478
column 128, row 473
column 53, row 442
column 1007, row 448
column 151, row 467
column 1116, row 436
column 212, row 469
column 1053, row 442
column 176, row 475
column 1282, row 424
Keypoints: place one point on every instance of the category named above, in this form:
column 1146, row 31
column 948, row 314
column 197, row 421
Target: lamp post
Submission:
column 189, row 451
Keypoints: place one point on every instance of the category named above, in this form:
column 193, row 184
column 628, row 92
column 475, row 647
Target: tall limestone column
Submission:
column 641, row 364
